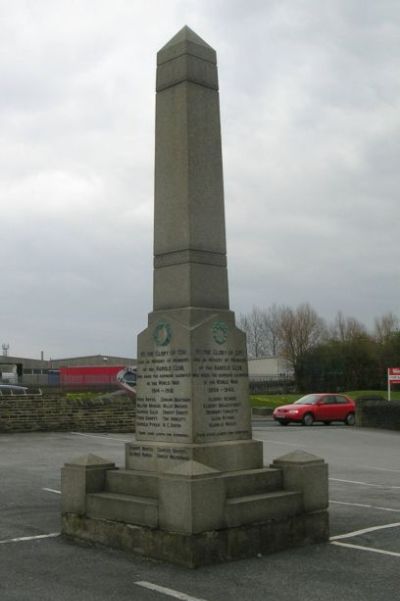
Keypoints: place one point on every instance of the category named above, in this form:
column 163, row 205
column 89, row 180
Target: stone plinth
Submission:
column 167, row 457
column 192, row 384
column 80, row 477
column 307, row 473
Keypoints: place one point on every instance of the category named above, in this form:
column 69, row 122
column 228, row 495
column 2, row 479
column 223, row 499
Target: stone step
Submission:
column 122, row 508
column 237, row 484
column 261, row 507
column 130, row 482
column 252, row 482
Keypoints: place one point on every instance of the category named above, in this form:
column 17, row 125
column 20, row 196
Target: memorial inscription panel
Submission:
column 163, row 403
column 192, row 396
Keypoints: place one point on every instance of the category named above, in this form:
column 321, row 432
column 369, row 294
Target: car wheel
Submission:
column 327, row 423
column 350, row 419
column 308, row 419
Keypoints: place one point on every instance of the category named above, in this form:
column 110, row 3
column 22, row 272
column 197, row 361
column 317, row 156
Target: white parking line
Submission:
column 56, row 492
column 366, row 506
column 27, row 538
column 286, row 444
column 370, row 549
column 364, row 483
column 168, row 591
column 100, row 436
column 364, row 531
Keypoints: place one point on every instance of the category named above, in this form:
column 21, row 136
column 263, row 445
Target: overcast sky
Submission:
column 310, row 108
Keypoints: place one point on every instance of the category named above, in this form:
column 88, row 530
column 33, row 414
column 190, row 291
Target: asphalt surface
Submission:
column 361, row 563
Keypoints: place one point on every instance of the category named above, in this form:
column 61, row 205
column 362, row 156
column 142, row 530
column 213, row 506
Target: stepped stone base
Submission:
column 205, row 548
column 195, row 515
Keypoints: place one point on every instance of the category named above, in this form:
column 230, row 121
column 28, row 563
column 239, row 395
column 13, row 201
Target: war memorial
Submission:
column 194, row 489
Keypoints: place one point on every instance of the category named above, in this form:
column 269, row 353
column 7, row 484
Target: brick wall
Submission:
column 57, row 413
column 378, row 414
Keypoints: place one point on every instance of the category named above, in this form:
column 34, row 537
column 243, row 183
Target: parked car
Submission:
column 12, row 389
column 126, row 379
column 321, row 407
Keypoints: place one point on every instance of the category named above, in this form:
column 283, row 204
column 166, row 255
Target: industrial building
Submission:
column 43, row 373
column 270, row 375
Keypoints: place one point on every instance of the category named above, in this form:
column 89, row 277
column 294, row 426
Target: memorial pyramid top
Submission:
column 186, row 41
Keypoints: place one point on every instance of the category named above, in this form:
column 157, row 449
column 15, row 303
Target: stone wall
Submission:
column 378, row 414
column 57, row 413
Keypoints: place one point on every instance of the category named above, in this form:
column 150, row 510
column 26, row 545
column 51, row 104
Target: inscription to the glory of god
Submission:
column 163, row 411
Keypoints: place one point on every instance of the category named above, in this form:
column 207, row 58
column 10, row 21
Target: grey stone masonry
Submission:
column 192, row 386
column 189, row 222
column 307, row 474
column 80, row 477
column 194, row 489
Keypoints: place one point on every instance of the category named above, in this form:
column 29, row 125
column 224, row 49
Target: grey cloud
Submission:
column 309, row 100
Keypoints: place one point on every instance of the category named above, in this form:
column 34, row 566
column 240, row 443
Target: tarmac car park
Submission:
column 360, row 563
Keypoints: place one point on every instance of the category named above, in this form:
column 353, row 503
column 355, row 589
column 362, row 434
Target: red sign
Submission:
column 394, row 374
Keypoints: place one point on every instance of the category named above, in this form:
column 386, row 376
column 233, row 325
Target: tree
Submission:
column 387, row 341
column 345, row 329
column 344, row 357
column 385, row 327
column 262, row 331
column 300, row 330
column 271, row 328
column 336, row 366
column 253, row 325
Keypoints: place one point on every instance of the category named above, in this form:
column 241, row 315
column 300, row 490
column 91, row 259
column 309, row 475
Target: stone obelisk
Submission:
column 189, row 222
column 192, row 390
column 194, row 489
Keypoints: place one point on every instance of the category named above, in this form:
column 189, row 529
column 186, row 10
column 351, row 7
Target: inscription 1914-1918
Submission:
column 164, row 408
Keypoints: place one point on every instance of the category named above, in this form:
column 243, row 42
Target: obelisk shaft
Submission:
column 189, row 222
column 192, row 384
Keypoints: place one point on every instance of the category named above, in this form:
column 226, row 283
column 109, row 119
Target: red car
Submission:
column 327, row 408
